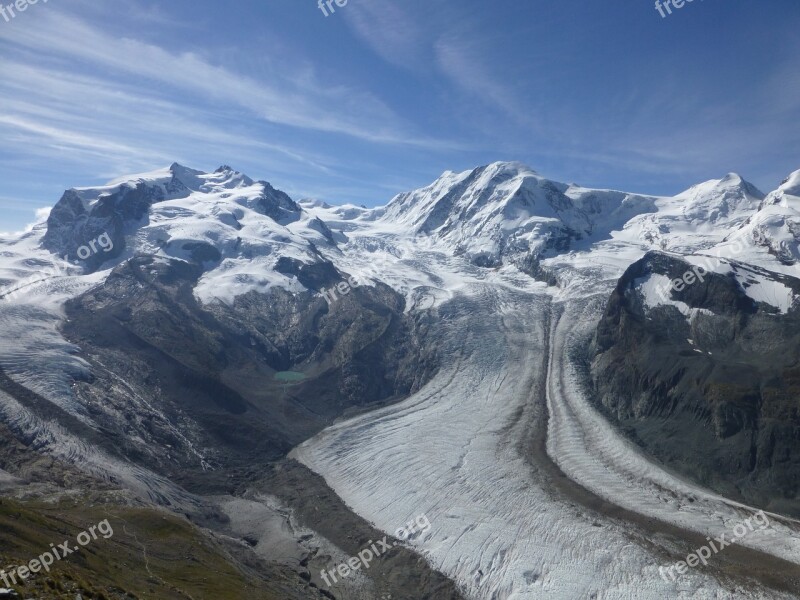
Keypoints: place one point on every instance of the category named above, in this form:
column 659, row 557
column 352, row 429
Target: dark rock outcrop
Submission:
column 74, row 223
column 715, row 396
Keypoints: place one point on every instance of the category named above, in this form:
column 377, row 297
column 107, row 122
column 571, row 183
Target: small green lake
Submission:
column 289, row 376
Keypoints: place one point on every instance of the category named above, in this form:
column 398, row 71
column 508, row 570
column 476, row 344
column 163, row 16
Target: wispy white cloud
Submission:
column 68, row 139
column 290, row 99
column 46, row 114
column 461, row 58
column 656, row 127
column 127, row 87
column 441, row 42
column 390, row 31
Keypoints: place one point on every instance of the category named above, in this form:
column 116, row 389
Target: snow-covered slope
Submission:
column 771, row 237
column 503, row 214
column 237, row 228
column 696, row 218
column 506, row 210
column 740, row 233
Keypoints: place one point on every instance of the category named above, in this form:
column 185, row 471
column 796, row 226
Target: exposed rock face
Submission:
column 708, row 381
column 159, row 357
column 81, row 216
column 278, row 205
column 71, row 225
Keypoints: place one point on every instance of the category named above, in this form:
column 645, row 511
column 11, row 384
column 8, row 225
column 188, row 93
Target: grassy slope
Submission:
column 151, row 555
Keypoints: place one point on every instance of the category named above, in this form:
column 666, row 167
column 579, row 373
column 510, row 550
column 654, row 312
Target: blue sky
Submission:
column 383, row 96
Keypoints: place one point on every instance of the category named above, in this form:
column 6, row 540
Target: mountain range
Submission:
column 574, row 385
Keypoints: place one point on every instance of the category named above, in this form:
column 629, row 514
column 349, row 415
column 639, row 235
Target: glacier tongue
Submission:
column 456, row 450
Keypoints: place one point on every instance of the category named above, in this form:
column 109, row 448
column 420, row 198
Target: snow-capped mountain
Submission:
column 239, row 229
column 696, row 218
column 434, row 355
column 506, row 210
column 696, row 352
column 756, row 243
column 771, row 236
column 501, row 214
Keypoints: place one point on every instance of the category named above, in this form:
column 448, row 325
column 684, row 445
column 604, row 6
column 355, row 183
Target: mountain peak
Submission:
column 733, row 178
column 716, row 198
column 489, row 186
column 791, row 185
column 731, row 181
column 789, row 190
column 509, row 167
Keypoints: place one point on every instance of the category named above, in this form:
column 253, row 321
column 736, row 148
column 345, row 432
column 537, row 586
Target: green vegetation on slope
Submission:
column 151, row 555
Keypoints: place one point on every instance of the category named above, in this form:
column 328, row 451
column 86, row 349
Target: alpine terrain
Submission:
column 567, row 390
